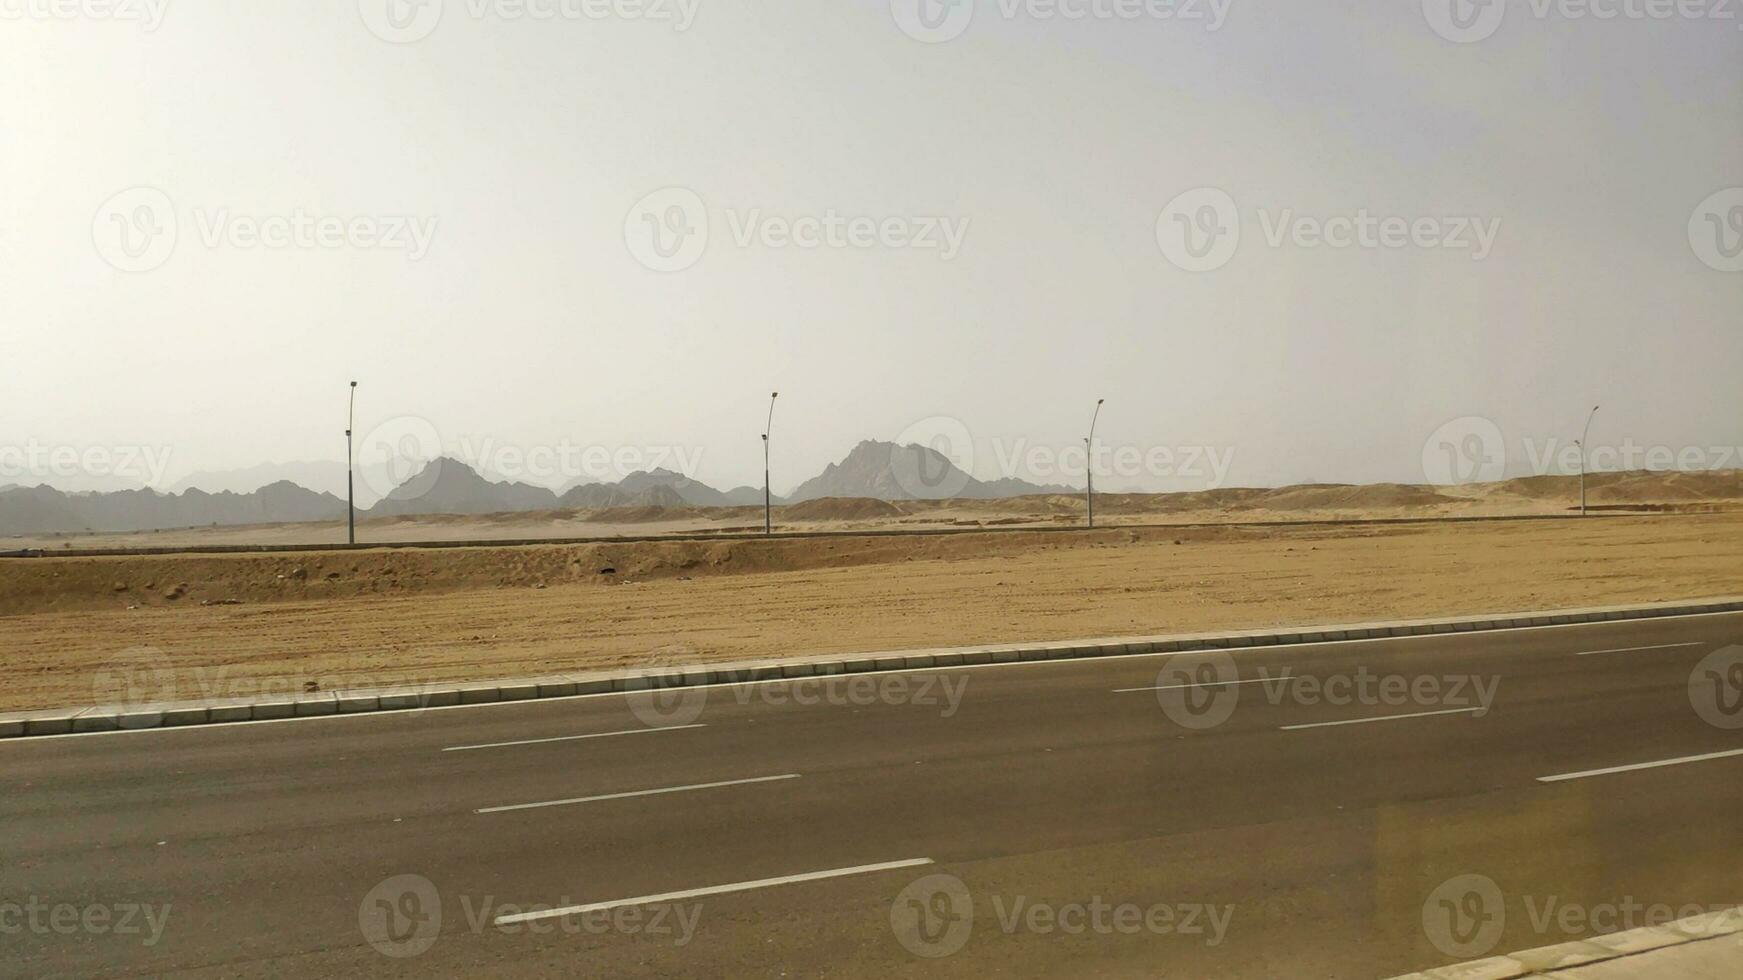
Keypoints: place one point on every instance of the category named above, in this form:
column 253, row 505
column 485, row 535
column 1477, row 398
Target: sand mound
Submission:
column 1668, row 487
column 1339, row 497
column 840, row 509
column 638, row 515
column 1635, row 486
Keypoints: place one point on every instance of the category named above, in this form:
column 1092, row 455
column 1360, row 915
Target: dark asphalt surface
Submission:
column 1074, row 831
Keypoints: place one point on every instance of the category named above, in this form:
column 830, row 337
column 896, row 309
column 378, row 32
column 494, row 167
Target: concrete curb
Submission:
column 65, row 721
column 1547, row 961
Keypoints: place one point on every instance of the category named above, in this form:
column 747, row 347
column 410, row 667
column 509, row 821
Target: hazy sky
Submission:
column 488, row 271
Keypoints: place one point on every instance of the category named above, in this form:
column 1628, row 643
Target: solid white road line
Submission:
column 1183, row 687
column 743, row 886
column 569, row 738
column 643, row 792
column 1660, row 646
column 1640, row 765
column 1364, row 721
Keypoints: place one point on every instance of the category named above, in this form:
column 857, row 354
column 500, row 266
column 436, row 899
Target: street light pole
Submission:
column 1582, row 444
column 768, row 501
column 350, row 480
column 1089, row 460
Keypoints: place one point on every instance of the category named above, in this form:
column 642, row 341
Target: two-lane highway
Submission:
column 1282, row 811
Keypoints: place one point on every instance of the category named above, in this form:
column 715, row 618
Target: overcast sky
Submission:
column 494, row 268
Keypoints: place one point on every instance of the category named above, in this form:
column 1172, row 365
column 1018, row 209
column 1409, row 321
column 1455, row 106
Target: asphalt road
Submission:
column 1339, row 810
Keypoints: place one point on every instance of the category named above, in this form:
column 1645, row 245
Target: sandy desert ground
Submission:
column 235, row 625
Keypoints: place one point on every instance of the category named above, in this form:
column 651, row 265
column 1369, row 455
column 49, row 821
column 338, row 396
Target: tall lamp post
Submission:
column 768, row 427
column 1089, row 459
column 1582, row 444
column 350, row 481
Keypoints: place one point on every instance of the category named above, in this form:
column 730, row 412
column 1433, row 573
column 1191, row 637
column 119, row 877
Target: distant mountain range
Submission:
column 877, row 470
column 872, row 472
column 448, row 486
column 323, row 476
column 886, row 471
column 43, row 509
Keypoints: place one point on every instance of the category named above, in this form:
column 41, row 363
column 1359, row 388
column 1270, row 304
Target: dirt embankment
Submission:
column 29, row 585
